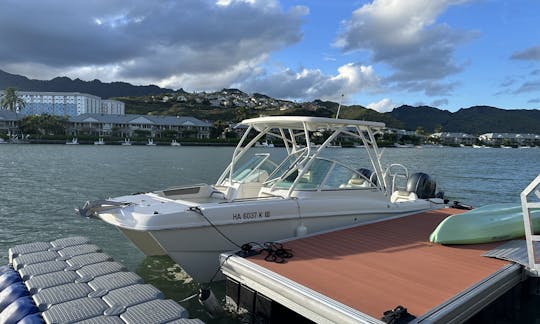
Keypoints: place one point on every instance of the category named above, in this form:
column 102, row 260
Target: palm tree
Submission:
column 11, row 101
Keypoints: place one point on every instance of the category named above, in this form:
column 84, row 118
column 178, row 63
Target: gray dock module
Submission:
column 71, row 280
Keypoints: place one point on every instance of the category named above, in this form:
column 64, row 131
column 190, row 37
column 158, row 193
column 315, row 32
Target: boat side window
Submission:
column 316, row 174
column 341, row 177
column 256, row 169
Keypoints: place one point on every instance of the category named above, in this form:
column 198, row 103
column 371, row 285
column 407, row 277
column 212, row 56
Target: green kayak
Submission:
column 490, row 223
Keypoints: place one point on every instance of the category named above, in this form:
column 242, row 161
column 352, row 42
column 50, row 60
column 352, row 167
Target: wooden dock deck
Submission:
column 367, row 270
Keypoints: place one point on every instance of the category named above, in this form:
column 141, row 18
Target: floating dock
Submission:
column 71, row 281
column 357, row 274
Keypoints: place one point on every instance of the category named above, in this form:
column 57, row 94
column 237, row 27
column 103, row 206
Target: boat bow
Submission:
column 93, row 208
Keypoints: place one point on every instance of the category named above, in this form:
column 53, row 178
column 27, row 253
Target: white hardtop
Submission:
column 311, row 123
column 295, row 133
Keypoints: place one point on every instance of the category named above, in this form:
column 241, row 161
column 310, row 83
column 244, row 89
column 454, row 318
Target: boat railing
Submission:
column 398, row 175
column 527, row 205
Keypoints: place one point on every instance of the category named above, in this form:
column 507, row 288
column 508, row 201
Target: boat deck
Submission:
column 374, row 268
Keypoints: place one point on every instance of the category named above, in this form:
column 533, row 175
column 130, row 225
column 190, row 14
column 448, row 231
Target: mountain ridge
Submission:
column 150, row 99
column 95, row 87
column 474, row 120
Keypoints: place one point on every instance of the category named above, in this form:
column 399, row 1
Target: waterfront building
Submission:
column 510, row 139
column 451, row 138
column 112, row 107
column 129, row 125
column 8, row 121
column 66, row 104
column 119, row 125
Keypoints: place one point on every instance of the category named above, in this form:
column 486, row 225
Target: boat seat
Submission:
column 401, row 195
column 355, row 183
column 257, row 176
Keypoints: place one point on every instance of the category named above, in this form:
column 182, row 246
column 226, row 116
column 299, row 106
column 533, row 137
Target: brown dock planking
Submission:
column 376, row 267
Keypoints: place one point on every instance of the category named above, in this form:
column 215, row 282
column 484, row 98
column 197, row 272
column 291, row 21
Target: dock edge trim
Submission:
column 470, row 301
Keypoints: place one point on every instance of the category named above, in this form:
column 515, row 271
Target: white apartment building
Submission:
column 67, row 104
column 112, row 107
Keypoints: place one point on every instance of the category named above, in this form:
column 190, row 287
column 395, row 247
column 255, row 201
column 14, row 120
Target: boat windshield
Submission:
column 324, row 174
column 287, row 168
column 256, row 169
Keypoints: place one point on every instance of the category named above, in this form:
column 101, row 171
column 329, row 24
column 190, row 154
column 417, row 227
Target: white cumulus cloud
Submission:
column 405, row 36
column 310, row 84
column 382, row 106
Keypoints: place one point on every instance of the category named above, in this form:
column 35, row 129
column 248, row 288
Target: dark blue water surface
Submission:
column 41, row 185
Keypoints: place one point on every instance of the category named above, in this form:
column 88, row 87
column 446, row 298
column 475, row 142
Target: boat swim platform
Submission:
column 70, row 280
column 356, row 274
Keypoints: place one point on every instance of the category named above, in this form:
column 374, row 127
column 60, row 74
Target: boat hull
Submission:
column 144, row 241
column 490, row 223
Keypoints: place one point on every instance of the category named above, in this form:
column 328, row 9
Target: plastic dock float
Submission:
column 71, row 281
column 355, row 275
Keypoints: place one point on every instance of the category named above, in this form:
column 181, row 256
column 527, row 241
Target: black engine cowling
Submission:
column 370, row 175
column 422, row 185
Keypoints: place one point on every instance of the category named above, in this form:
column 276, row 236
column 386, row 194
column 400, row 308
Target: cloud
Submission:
column 405, row 36
column 384, row 105
column 535, row 100
column 310, row 84
column 529, row 86
column 439, row 102
column 167, row 42
column 429, row 87
column 529, row 54
column 508, row 82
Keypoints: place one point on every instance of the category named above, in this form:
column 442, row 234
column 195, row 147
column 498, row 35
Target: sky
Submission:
column 449, row 54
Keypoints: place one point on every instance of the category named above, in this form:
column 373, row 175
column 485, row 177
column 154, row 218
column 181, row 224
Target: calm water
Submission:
column 41, row 185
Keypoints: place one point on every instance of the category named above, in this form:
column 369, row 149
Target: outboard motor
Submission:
column 370, row 175
column 365, row 172
column 422, row 185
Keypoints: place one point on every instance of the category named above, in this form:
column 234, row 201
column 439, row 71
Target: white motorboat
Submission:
column 100, row 141
column 264, row 144
column 261, row 198
column 126, row 142
column 150, row 142
column 403, row 145
column 175, row 143
column 73, row 141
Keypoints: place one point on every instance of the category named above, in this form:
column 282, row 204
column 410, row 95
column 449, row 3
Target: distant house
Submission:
column 449, row 138
column 215, row 103
column 8, row 121
column 239, row 129
column 126, row 125
column 510, row 138
column 401, row 132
